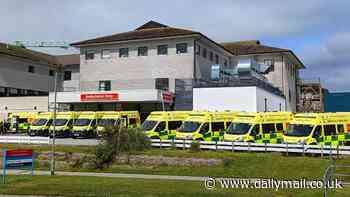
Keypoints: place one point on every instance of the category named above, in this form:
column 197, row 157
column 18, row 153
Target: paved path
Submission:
column 113, row 175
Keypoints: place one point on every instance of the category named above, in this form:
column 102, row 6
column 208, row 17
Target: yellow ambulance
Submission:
column 41, row 124
column 114, row 118
column 86, row 124
column 20, row 121
column 319, row 128
column 205, row 126
column 163, row 124
column 64, row 123
column 258, row 127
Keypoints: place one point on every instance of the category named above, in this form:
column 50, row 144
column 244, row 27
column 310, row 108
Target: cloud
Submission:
column 330, row 61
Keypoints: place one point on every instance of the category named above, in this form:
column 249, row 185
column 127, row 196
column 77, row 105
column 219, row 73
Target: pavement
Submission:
column 76, row 142
column 110, row 175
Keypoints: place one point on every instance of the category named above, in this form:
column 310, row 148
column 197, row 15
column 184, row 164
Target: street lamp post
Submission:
column 52, row 170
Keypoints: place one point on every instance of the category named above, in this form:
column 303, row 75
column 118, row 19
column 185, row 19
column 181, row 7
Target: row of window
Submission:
column 31, row 69
column 204, row 53
column 141, row 51
column 4, row 91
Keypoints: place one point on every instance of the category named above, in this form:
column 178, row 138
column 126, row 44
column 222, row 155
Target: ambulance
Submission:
column 319, row 128
column 20, row 121
column 163, row 124
column 41, row 124
column 64, row 123
column 258, row 127
column 205, row 126
column 113, row 118
column 86, row 124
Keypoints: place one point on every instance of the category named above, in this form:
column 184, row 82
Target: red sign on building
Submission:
column 167, row 97
column 99, row 97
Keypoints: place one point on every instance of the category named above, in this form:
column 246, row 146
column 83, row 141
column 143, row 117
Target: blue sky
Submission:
column 318, row 31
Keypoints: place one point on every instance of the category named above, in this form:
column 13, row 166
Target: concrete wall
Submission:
column 283, row 77
column 24, row 103
column 136, row 67
column 74, row 83
column 250, row 99
column 14, row 73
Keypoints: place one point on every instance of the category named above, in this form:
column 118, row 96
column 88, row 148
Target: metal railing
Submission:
column 24, row 140
column 255, row 147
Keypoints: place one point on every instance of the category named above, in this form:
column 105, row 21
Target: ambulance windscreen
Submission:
column 238, row 128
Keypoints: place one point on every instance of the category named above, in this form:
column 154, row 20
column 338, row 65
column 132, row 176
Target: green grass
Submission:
column 108, row 187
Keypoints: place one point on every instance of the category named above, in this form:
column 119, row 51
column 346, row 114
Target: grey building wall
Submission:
column 135, row 71
column 14, row 73
column 73, row 84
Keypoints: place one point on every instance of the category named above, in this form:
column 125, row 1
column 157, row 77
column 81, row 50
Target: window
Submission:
column 67, row 75
column 217, row 126
column 162, row 83
column 225, row 63
column 268, row 128
column 104, row 86
column 198, row 49
column 51, row 72
column 160, row 127
column 93, row 123
column 204, row 128
column 270, row 63
column 173, row 125
column 106, row 53
column 255, row 131
column 204, row 53
column 181, row 48
column 31, row 69
column 329, row 130
column 142, row 51
column 211, row 56
column 317, row 132
column 89, row 55
column 216, row 59
column 340, row 129
column 162, row 49
column 279, row 126
column 124, row 52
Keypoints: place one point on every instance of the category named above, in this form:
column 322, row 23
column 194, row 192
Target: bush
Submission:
column 195, row 146
column 117, row 140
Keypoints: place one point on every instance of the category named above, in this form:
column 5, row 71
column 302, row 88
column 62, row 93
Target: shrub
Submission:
column 117, row 140
column 195, row 146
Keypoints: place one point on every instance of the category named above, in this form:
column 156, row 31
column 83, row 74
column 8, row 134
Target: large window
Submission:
column 90, row 55
column 204, row 53
column 162, row 49
column 51, row 72
column 142, row 51
column 216, row 59
column 198, row 50
column 181, row 48
column 31, row 69
column 67, row 75
column 124, row 52
column 269, row 62
column 211, row 56
column 104, row 86
column 106, row 53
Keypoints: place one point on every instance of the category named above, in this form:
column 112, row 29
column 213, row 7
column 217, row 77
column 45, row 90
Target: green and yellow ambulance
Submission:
column 41, row 124
column 86, row 124
column 113, row 118
column 20, row 121
column 163, row 124
column 64, row 123
column 205, row 126
column 258, row 127
column 319, row 128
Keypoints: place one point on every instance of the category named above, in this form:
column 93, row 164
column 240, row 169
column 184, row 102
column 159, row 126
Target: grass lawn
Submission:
column 99, row 187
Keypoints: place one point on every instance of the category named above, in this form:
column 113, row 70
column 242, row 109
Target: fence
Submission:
column 254, row 147
column 24, row 140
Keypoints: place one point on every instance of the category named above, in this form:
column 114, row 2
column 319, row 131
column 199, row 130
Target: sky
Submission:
column 318, row 31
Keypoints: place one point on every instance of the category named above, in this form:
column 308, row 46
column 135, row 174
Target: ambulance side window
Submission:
column 329, row 130
column 255, row 130
column 317, row 132
column 217, row 126
column 268, row 128
column 160, row 127
column 132, row 121
column 204, row 128
column 279, row 126
column 93, row 123
column 340, row 129
column 173, row 125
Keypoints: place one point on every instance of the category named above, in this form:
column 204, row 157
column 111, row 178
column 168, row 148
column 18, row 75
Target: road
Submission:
column 76, row 142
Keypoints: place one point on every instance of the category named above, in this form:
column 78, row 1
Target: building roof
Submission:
column 149, row 30
column 71, row 59
column 28, row 54
column 251, row 47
